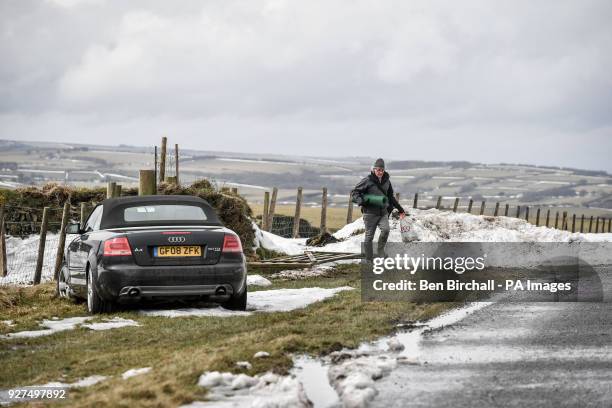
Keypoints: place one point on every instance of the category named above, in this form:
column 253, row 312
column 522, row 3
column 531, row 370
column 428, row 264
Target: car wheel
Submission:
column 237, row 302
column 95, row 304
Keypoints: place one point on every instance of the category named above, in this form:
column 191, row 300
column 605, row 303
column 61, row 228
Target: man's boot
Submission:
column 380, row 253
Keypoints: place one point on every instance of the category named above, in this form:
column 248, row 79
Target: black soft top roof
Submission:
column 112, row 215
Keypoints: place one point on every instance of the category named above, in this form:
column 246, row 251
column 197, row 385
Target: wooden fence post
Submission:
column 266, row 211
column 323, row 227
column 41, row 246
column 573, row 223
column 482, row 207
column 176, row 163
column 591, row 224
column 496, row 209
column 3, row 265
column 564, row 221
column 538, row 217
column 470, row 206
column 110, row 189
column 597, row 225
column 582, row 224
column 609, row 222
column 162, row 160
column 456, row 204
column 296, row 217
column 117, row 191
column 439, row 202
column 518, row 211
column 527, row 213
column 271, row 209
column 506, row 210
column 547, row 218
column 59, row 257
column 349, row 211
column 557, row 220
column 147, row 184
column 83, row 210
column 416, row 200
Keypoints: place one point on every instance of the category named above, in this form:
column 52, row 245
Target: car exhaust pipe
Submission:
column 221, row 291
column 133, row 292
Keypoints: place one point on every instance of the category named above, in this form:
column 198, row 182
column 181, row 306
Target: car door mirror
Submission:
column 73, row 228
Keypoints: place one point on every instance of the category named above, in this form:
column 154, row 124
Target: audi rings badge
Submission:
column 176, row 240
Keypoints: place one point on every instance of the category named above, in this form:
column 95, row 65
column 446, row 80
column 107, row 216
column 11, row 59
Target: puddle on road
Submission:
column 312, row 373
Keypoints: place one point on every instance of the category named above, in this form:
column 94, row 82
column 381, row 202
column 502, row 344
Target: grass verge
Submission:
column 181, row 349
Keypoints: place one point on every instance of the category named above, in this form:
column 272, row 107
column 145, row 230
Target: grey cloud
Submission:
column 319, row 69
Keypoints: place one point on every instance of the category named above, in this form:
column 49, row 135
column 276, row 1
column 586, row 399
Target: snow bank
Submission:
column 436, row 226
column 268, row 390
column 70, row 323
column 276, row 300
column 276, row 243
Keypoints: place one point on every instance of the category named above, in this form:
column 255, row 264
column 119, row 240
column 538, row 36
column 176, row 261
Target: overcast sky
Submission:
column 506, row 81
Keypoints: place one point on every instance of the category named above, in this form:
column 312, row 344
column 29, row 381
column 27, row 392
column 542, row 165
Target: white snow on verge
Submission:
column 113, row 323
column 257, row 280
column 351, row 373
column 133, row 372
column 52, row 326
column 435, row 226
column 354, row 376
column 262, row 391
column 275, row 300
column 70, row 323
column 276, row 243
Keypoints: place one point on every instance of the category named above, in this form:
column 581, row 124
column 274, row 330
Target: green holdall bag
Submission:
column 376, row 200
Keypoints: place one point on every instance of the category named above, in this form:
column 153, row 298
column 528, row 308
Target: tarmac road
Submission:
column 512, row 355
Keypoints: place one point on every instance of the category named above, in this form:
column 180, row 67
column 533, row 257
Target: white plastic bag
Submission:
column 407, row 229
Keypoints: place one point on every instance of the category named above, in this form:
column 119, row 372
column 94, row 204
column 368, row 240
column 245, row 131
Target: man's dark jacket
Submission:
column 371, row 185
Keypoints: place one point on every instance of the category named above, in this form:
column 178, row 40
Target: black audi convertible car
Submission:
column 153, row 247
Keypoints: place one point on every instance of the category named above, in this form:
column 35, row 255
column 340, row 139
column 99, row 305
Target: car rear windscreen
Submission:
column 163, row 212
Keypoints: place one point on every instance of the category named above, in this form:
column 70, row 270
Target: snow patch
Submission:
column 275, row 300
column 56, row 325
column 267, row 390
column 113, row 323
column 244, row 365
column 52, row 326
column 133, row 372
column 257, row 280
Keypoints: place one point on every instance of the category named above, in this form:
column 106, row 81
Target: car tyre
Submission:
column 62, row 286
column 95, row 304
column 237, row 302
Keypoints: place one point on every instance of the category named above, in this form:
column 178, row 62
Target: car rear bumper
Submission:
column 128, row 283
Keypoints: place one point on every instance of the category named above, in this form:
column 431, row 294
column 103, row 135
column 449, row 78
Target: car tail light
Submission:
column 117, row 247
column 231, row 243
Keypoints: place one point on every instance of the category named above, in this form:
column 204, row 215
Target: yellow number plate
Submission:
column 164, row 251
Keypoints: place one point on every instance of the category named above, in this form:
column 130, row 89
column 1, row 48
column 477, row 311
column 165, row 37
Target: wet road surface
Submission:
column 511, row 355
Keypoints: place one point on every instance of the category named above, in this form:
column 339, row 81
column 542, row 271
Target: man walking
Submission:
column 375, row 196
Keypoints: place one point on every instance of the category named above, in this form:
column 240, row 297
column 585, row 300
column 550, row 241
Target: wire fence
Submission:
column 22, row 255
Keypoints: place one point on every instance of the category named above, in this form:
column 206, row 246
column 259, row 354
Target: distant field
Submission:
column 336, row 216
